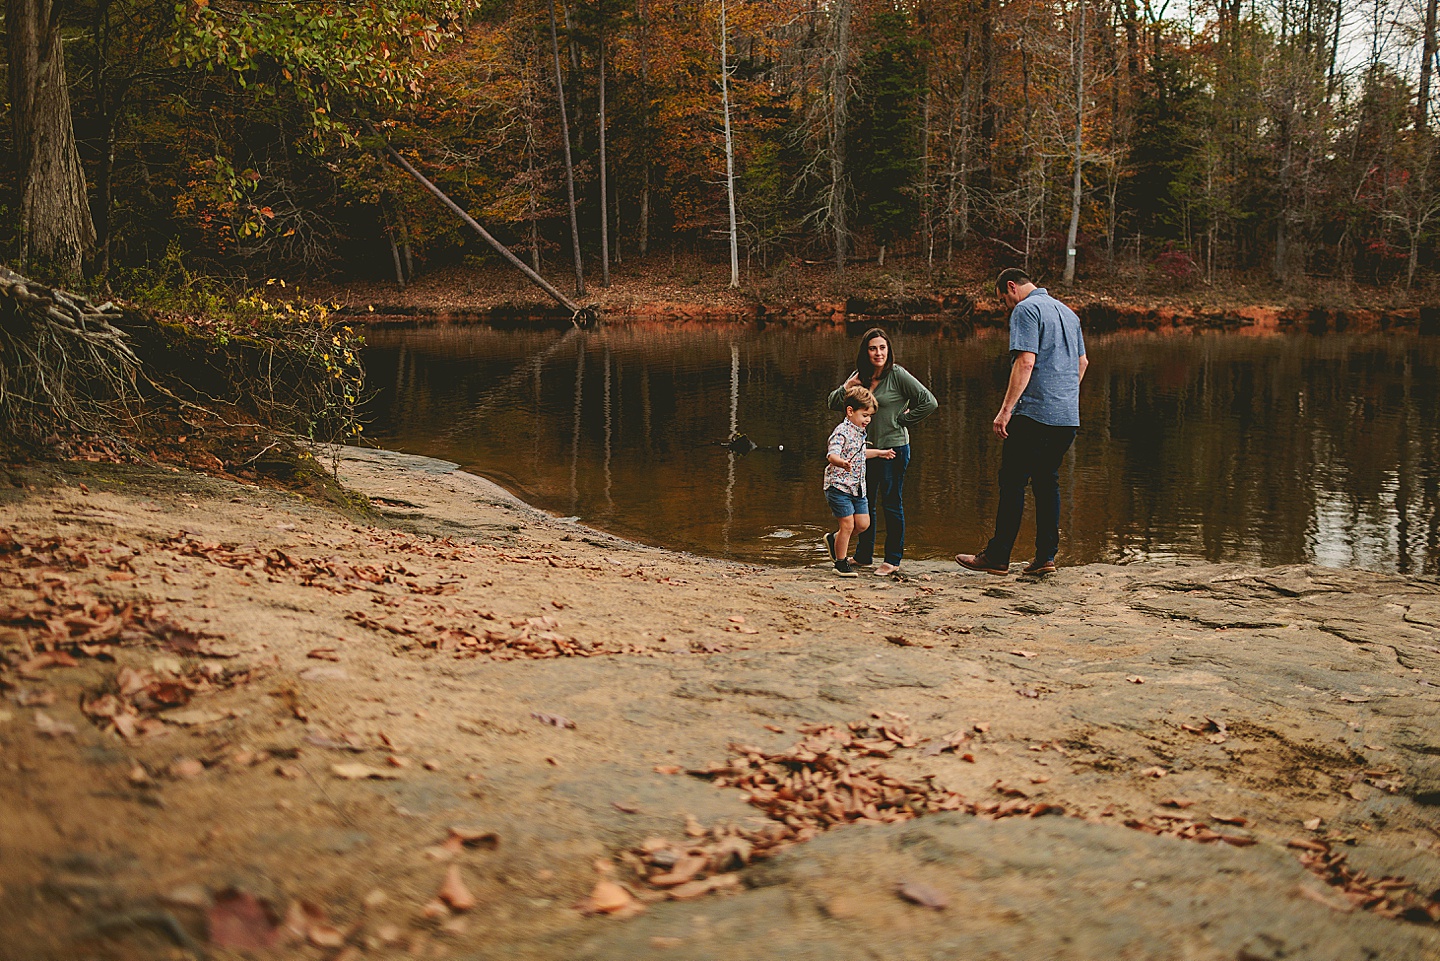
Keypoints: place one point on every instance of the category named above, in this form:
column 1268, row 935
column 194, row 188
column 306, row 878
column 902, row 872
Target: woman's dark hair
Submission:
column 863, row 368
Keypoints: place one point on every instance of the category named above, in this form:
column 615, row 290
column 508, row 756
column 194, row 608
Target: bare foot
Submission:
column 886, row 569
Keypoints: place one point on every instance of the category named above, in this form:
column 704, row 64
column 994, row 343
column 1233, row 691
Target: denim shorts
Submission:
column 844, row 503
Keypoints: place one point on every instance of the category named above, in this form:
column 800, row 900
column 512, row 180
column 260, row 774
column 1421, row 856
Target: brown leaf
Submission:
column 695, row 889
column 1305, row 844
column 1154, row 772
column 1019, row 653
column 556, row 719
column 607, row 898
column 923, row 895
column 1234, row 819
column 359, row 772
column 239, row 920
column 684, row 870
column 667, row 769
column 1311, row 824
column 736, row 619
column 1135, row 679
column 626, row 807
column 324, row 654
column 982, row 727
column 453, row 891
column 1177, row 802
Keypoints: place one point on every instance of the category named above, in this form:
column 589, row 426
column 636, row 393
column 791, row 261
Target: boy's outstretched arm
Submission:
column 886, row 453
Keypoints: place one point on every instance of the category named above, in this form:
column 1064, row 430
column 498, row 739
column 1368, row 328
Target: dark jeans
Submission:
column 1032, row 454
column 885, row 483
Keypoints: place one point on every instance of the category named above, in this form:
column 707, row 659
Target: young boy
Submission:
column 845, row 475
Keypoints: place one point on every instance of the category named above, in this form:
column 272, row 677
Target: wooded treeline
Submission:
column 1279, row 137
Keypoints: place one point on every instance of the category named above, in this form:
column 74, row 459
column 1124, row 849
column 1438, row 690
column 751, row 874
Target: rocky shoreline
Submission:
column 463, row 728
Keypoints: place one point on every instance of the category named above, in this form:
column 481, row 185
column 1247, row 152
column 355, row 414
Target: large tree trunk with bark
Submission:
column 1427, row 63
column 56, row 231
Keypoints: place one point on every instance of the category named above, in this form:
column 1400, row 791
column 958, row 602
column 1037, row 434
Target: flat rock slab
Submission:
column 1054, row 888
column 1227, row 695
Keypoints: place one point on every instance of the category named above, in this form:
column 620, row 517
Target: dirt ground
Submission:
column 234, row 723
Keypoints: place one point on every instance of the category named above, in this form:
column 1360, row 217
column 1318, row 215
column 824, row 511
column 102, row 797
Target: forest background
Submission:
column 151, row 143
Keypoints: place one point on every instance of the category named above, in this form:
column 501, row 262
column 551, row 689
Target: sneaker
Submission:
column 1038, row 567
column 979, row 562
column 830, row 546
column 843, row 568
column 886, row 569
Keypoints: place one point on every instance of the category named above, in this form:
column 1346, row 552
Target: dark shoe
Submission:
column 843, row 568
column 1038, row 568
column 859, row 563
column 830, row 546
column 979, row 562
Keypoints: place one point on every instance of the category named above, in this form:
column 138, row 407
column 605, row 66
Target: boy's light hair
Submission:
column 860, row 398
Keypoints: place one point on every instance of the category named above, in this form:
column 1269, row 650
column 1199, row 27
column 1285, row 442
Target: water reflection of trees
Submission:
column 1263, row 450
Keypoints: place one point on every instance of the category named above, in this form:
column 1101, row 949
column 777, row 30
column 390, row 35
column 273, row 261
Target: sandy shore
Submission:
column 234, row 722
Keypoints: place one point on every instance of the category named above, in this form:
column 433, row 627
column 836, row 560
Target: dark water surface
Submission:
column 1263, row 450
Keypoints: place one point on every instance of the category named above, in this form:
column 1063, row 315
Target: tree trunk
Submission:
column 569, row 164
column 1427, row 63
column 643, row 28
column 839, row 94
column 604, row 188
column 729, row 152
column 56, row 231
column 1075, row 187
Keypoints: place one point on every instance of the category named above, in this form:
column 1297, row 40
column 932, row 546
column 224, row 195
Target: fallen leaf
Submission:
column 1305, row 844
column 555, row 719
column 50, row 727
column 240, row 920
column 1154, row 772
column 193, row 717
column 1311, row 824
column 453, row 891
column 667, row 769
column 1019, row 653
column 982, row 726
column 187, row 768
column 1305, row 891
column 695, row 889
column 772, row 727
column 736, row 619
column 626, row 807
column 358, row 772
column 922, row 894
column 1135, row 679
column 1177, row 802
column 682, row 871
column 606, row 898
column 1039, row 778
column 324, row 654
column 1027, row 692
column 1230, row 819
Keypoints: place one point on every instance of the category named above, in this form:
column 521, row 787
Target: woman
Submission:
column 903, row 401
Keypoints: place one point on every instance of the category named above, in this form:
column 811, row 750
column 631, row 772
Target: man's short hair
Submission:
column 859, row 398
column 1011, row 275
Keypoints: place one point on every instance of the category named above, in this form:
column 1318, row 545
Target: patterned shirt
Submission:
column 848, row 441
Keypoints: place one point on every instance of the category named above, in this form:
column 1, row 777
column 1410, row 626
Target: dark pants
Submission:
column 1032, row 455
column 885, row 483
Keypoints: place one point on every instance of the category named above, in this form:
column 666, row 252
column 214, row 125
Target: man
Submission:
column 1037, row 421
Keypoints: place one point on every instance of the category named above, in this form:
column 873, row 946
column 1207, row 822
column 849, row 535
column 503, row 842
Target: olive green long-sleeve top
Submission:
column 903, row 402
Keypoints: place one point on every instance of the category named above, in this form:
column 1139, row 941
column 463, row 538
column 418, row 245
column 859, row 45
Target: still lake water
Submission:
column 1223, row 447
